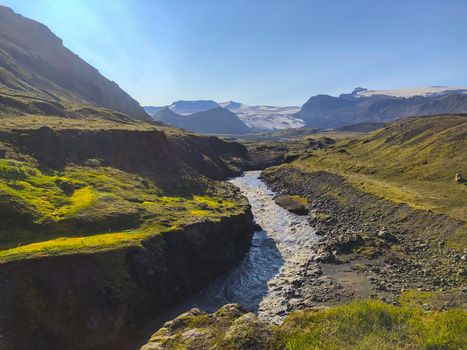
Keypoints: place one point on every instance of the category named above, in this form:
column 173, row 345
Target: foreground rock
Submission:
column 294, row 204
column 230, row 327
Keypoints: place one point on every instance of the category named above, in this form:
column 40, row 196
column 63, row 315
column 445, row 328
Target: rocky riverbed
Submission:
column 371, row 248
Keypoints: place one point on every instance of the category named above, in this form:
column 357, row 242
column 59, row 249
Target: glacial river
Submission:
column 263, row 278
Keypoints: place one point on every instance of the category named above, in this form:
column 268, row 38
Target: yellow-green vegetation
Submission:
column 374, row 325
column 299, row 200
column 410, row 161
column 435, row 300
column 107, row 208
column 362, row 325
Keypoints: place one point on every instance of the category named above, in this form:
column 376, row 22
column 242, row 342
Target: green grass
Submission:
column 108, row 208
column 411, row 161
column 374, row 325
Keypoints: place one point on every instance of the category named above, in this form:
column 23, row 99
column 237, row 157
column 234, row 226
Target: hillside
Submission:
column 376, row 106
column 39, row 75
column 413, row 161
column 213, row 121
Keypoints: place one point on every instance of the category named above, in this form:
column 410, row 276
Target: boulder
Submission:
column 294, row 204
column 67, row 187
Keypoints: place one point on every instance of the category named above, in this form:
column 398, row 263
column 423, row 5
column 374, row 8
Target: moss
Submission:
column 374, row 325
column 108, row 208
column 299, row 200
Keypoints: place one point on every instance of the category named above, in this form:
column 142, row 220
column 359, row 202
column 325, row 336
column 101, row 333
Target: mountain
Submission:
column 258, row 118
column 265, row 117
column 190, row 107
column 376, row 106
column 39, row 75
column 214, row 121
column 151, row 110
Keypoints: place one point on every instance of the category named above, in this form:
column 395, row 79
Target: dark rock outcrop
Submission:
column 141, row 151
column 84, row 301
column 230, row 327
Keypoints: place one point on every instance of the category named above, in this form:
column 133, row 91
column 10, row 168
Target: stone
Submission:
column 294, row 204
column 384, row 234
column 67, row 187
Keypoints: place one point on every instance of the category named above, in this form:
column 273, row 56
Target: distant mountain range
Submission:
column 39, row 75
column 325, row 111
column 256, row 118
column 376, row 106
column 212, row 121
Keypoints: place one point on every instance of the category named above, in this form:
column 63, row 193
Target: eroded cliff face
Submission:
column 140, row 151
column 84, row 301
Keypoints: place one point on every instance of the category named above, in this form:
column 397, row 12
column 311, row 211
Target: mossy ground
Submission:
column 362, row 325
column 108, row 208
column 374, row 325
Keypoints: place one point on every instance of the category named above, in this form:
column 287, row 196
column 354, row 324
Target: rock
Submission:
column 67, row 187
column 294, row 204
column 384, row 234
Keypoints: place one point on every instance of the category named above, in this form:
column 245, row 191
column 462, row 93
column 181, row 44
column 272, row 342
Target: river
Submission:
column 262, row 281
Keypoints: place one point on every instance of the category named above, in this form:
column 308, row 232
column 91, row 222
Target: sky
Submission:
column 276, row 52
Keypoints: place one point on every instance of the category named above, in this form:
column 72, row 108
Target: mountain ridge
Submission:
column 363, row 106
column 36, row 69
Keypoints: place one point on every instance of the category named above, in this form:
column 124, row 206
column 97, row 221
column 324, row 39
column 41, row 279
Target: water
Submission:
column 279, row 254
column 260, row 281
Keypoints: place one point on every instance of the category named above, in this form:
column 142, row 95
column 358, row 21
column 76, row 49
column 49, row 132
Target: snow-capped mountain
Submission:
column 409, row 92
column 258, row 118
column 379, row 106
column 265, row 117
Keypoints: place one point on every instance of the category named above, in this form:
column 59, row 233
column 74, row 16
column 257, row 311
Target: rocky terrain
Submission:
column 107, row 223
column 377, row 243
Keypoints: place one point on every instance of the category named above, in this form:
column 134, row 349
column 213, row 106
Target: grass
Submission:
column 374, row 325
column 108, row 208
column 411, row 161
column 361, row 325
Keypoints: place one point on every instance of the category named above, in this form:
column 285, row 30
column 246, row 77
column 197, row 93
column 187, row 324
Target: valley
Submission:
column 340, row 224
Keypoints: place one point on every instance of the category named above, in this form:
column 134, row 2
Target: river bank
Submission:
column 372, row 248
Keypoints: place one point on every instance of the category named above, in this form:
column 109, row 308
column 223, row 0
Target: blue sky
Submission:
column 258, row 51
